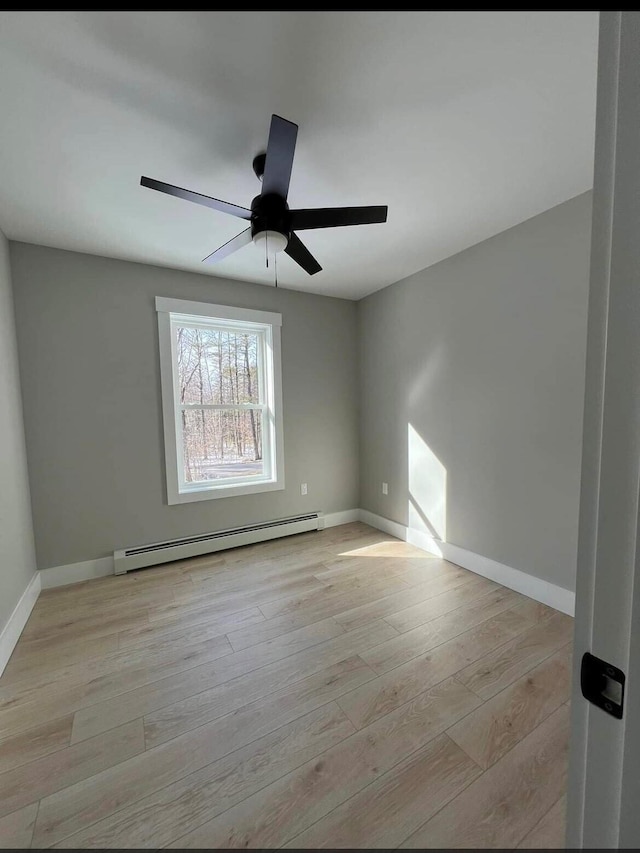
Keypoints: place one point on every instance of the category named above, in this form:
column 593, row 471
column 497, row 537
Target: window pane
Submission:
column 216, row 366
column 218, row 445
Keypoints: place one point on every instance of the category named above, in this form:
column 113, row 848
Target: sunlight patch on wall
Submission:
column 427, row 509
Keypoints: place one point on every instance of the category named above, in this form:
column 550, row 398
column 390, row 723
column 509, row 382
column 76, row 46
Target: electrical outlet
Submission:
column 385, row 488
column 303, row 488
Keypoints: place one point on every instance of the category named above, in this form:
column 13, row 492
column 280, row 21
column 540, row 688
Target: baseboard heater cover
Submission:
column 128, row 559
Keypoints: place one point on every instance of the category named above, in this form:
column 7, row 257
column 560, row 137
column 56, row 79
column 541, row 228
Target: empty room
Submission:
column 317, row 429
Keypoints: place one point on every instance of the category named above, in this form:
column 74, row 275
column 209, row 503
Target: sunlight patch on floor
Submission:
column 391, row 548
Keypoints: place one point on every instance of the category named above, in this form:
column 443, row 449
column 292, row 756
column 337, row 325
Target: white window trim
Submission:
column 165, row 308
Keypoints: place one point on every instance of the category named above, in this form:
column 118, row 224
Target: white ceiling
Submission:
column 464, row 123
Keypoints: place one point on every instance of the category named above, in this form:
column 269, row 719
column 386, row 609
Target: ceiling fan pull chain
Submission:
column 275, row 264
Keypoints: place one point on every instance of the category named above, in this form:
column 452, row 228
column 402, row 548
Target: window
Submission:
column 221, row 398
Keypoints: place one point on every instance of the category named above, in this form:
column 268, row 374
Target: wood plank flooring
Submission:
column 334, row 689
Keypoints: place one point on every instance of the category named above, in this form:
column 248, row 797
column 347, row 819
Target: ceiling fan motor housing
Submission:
column 270, row 213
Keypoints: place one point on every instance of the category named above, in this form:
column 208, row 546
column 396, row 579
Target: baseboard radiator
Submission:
column 127, row 559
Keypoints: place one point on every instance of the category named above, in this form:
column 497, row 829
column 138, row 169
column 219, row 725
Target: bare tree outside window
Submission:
column 221, row 381
column 221, row 397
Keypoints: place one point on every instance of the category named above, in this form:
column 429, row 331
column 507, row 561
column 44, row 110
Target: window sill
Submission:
column 213, row 492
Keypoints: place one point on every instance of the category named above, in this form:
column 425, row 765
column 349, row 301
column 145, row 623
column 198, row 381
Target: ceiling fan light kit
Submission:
column 271, row 223
column 270, row 242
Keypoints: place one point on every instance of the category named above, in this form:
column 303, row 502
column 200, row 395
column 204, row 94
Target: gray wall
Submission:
column 17, row 559
column 88, row 346
column 475, row 367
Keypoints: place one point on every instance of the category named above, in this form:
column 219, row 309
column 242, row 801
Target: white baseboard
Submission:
column 11, row 632
column 384, row 524
column 347, row 516
column 533, row 587
column 536, row 588
column 74, row 572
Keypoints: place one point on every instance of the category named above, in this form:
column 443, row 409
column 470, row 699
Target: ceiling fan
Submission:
column 272, row 223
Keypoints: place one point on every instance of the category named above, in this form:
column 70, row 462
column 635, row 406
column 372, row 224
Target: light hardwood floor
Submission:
column 333, row 689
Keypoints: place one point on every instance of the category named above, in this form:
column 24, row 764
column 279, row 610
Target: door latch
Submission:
column 603, row 684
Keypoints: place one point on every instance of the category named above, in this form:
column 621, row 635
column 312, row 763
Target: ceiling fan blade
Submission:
column 297, row 250
column 232, row 245
column 330, row 217
column 197, row 198
column 279, row 158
